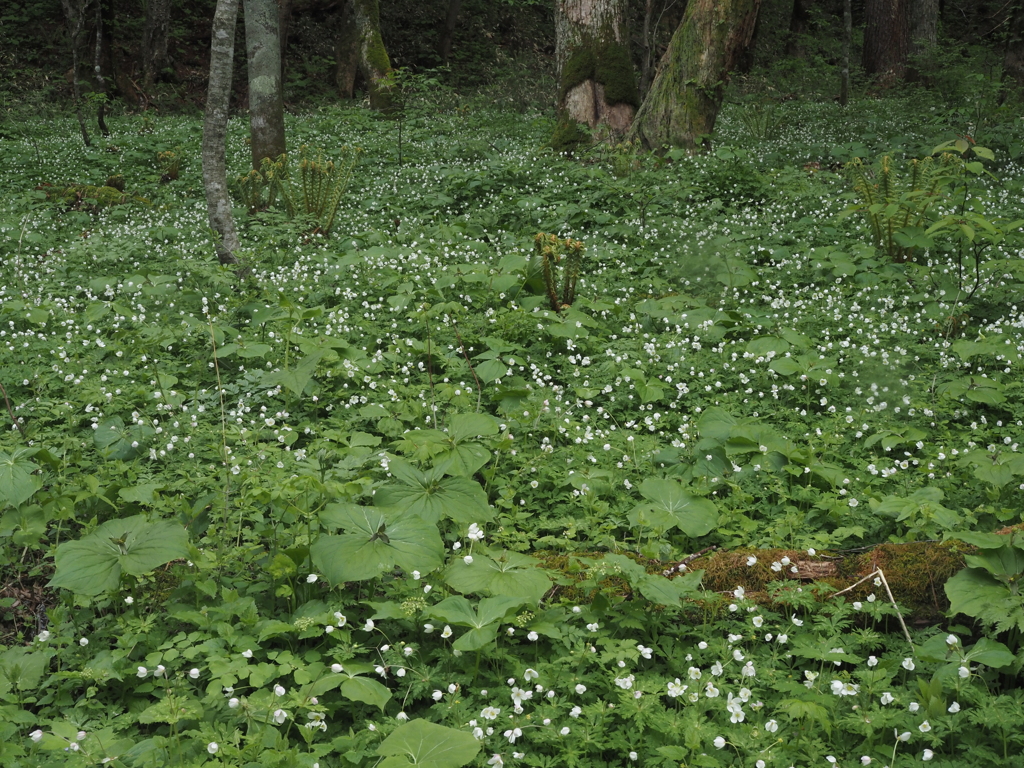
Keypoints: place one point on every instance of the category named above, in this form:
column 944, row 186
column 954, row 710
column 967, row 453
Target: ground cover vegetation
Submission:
column 420, row 480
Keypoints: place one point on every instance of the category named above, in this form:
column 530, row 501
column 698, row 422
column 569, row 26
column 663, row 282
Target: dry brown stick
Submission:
column 681, row 565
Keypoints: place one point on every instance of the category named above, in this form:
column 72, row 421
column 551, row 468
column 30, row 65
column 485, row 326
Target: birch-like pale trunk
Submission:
column 266, row 102
column 215, row 128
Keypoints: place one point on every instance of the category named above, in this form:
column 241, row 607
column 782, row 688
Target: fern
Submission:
column 553, row 251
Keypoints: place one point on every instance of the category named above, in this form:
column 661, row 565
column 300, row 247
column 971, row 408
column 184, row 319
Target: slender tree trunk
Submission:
column 101, row 82
column 886, row 40
column 215, row 124
column 451, row 20
column 596, row 83
column 284, row 20
column 346, row 52
column 1013, row 58
column 373, row 56
column 266, row 105
column 924, row 26
column 687, row 92
column 798, row 22
column 74, row 14
column 844, row 83
column 154, row 40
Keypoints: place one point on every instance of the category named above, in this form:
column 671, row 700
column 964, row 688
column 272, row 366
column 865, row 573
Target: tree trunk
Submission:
column 798, row 22
column 346, row 52
column 451, row 20
column 373, row 56
column 687, row 92
column 596, row 84
column 844, row 76
column 154, row 40
column 284, row 22
column 1013, row 59
column 924, row 26
column 886, row 40
column 74, row 13
column 266, row 105
column 215, row 124
column 101, row 82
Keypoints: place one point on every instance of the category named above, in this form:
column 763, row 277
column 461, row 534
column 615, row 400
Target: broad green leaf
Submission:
column 990, row 653
column 469, row 426
column 144, row 493
column 459, row 611
column 22, row 669
column 432, row 496
column 117, row 441
column 1004, row 563
column 17, row 483
column 172, row 709
column 508, row 573
column 786, row 366
column 367, row 691
column 427, row 745
column 375, row 542
column 973, row 592
column 95, row 563
column 693, row 515
column 476, row 638
column 489, row 370
column 298, row 377
column 716, row 423
column 463, row 460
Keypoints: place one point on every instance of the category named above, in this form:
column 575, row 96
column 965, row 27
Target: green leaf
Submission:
column 990, row 653
column 693, row 515
column 375, row 542
column 428, row 745
column 95, row 563
column 367, row 691
column 509, row 574
column 298, row 377
column 17, row 483
column 432, row 496
column 117, row 441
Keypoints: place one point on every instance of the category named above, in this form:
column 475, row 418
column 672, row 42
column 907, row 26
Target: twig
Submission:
column 681, row 565
column 462, row 346
column 899, row 616
column 223, row 434
column 11, row 411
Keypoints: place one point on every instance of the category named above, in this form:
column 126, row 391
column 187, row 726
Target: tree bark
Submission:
column 215, row 123
column 74, row 14
column 1013, row 59
column 451, row 20
column 687, row 92
column 596, row 80
column 346, row 52
column 266, row 104
column 373, row 56
column 798, row 22
column 844, row 75
column 101, row 82
column 154, row 40
column 924, row 26
column 886, row 40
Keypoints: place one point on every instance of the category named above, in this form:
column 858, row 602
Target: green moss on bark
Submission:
column 614, row 70
column 568, row 135
column 608, row 63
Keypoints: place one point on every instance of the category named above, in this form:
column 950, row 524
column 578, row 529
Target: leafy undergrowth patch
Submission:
column 406, row 494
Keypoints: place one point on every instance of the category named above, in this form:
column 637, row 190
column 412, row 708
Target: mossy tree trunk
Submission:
column 215, row 125
column 596, row 83
column 373, row 56
column 687, row 92
column 266, row 102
